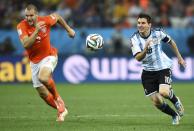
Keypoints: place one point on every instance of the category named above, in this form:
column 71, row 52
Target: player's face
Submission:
column 143, row 25
column 31, row 16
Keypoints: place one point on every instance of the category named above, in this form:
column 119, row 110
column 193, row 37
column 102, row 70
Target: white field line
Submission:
column 93, row 116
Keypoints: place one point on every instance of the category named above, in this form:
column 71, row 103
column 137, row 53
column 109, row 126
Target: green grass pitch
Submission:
column 92, row 107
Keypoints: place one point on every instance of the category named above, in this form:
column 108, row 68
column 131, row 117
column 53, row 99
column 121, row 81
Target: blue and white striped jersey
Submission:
column 155, row 58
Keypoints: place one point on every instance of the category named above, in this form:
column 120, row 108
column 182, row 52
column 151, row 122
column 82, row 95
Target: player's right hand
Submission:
column 40, row 25
column 148, row 43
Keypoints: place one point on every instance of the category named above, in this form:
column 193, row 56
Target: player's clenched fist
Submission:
column 40, row 25
column 148, row 43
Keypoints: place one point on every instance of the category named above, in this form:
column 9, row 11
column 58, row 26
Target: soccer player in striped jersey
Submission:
column 156, row 74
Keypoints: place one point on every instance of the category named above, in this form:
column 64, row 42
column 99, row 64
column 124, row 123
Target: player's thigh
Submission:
column 47, row 66
column 149, row 82
column 35, row 72
column 165, row 82
column 44, row 73
column 165, row 77
column 164, row 89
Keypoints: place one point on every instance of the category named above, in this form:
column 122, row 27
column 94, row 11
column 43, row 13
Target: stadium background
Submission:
column 115, row 20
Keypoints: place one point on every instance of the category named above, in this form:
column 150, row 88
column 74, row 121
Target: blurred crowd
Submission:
column 117, row 14
column 103, row 13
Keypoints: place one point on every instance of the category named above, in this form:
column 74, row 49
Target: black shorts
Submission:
column 152, row 79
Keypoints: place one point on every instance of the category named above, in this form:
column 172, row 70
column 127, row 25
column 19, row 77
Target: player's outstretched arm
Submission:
column 64, row 24
column 177, row 53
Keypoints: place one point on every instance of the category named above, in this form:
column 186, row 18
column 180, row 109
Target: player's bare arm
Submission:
column 177, row 53
column 64, row 24
column 28, row 41
column 142, row 54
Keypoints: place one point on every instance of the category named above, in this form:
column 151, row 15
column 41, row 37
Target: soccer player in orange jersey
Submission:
column 34, row 34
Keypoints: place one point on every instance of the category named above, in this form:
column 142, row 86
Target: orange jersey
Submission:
column 41, row 48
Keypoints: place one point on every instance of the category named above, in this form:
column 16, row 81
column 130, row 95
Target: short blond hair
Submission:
column 32, row 7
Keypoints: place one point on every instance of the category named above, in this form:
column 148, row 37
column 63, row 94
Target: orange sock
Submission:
column 50, row 100
column 52, row 88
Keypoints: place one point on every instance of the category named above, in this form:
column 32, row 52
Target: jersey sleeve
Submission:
column 134, row 47
column 164, row 37
column 21, row 31
column 51, row 20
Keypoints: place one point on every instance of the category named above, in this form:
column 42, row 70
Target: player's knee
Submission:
column 164, row 92
column 43, row 79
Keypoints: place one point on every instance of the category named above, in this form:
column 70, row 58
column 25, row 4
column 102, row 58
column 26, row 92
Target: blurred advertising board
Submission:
column 89, row 69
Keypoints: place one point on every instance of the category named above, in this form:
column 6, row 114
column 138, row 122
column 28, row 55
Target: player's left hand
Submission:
column 181, row 62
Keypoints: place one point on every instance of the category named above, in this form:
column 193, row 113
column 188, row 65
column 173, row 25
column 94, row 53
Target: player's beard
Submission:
column 31, row 22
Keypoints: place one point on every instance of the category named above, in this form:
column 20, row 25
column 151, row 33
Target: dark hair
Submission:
column 146, row 16
column 32, row 7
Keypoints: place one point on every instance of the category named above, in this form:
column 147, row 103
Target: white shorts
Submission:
column 49, row 61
